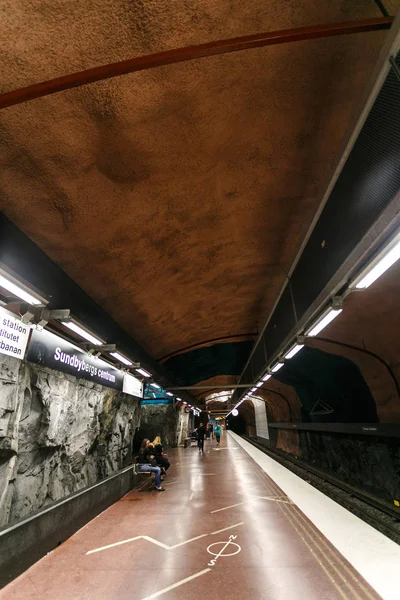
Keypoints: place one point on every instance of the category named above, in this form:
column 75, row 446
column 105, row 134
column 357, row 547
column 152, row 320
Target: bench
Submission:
column 136, row 470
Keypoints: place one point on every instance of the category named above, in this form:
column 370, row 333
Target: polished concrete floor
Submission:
column 222, row 529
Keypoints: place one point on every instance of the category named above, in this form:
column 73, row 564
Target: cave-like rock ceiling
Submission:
column 177, row 197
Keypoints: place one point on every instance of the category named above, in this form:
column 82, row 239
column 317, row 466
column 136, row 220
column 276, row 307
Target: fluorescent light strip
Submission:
column 259, row 384
column 121, row 358
column 143, row 372
column 18, row 291
column 328, row 318
column 155, row 385
column 254, row 389
column 82, row 332
column 278, row 366
column 266, row 377
column 294, row 350
column 383, row 265
column 169, row 393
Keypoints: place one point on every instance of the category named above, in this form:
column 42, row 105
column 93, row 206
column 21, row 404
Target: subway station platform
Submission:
column 232, row 523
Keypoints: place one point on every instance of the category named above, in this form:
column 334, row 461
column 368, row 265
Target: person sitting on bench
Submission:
column 160, row 456
column 147, row 463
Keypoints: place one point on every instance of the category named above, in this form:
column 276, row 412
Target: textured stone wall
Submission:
column 58, row 434
column 165, row 420
column 372, row 464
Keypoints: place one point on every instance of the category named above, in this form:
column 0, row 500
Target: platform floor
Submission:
column 222, row 529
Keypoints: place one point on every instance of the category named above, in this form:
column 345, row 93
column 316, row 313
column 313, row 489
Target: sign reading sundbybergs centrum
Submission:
column 51, row 351
column 13, row 335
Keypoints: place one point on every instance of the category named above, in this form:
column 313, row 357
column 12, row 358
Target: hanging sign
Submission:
column 54, row 352
column 132, row 386
column 13, row 334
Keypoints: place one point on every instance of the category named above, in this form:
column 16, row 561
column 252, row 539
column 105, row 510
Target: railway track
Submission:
column 378, row 513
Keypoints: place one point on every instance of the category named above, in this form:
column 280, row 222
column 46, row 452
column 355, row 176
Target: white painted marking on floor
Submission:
column 191, row 496
column 222, row 551
column 188, row 541
column 156, row 542
column 372, row 554
column 113, row 545
column 283, row 499
column 226, row 528
column 227, row 507
column 175, row 585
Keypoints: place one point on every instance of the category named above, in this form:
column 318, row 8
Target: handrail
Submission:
column 169, row 57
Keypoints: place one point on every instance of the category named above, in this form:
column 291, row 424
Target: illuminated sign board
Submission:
column 132, row 386
column 14, row 335
column 51, row 351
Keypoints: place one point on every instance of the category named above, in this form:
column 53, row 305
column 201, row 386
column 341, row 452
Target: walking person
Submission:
column 218, row 434
column 201, row 432
column 147, row 463
column 211, row 428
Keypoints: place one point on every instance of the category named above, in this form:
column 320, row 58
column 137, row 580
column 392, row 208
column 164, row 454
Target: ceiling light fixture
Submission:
column 266, row 377
column 326, row 318
column 259, row 384
column 143, row 372
column 254, row 389
column 294, row 350
column 278, row 366
column 169, row 393
column 381, row 263
column 12, row 284
column 85, row 333
column 155, row 385
column 121, row 358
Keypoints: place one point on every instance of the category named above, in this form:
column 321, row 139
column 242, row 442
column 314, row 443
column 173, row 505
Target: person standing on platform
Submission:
column 201, row 432
column 218, row 434
column 211, row 429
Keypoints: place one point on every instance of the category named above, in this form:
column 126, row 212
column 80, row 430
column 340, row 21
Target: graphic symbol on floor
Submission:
column 229, row 548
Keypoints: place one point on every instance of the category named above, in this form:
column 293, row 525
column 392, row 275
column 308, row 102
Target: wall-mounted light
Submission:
column 14, row 285
column 121, row 358
column 381, row 263
column 81, row 330
column 294, row 350
column 143, row 372
column 327, row 317
column 276, row 367
column 235, row 412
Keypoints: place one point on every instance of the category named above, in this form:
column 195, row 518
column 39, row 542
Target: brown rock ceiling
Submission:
column 176, row 198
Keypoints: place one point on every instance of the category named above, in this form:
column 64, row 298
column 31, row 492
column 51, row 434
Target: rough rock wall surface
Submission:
column 58, row 434
column 170, row 423
column 366, row 463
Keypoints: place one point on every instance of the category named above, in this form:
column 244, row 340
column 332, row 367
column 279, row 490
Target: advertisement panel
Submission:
column 14, row 334
column 51, row 351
